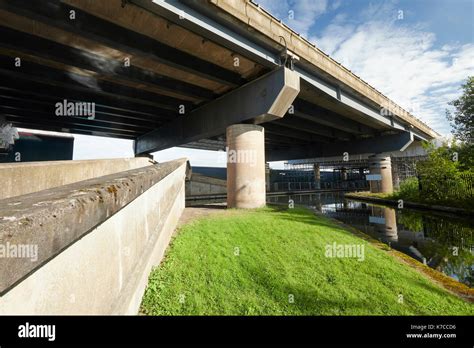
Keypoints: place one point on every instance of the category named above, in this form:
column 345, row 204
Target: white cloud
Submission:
column 335, row 4
column 400, row 60
column 300, row 15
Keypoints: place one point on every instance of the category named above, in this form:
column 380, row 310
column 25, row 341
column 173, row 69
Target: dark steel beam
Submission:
column 56, row 13
column 49, row 99
column 89, row 84
column 273, row 128
column 47, row 49
column 378, row 144
column 199, row 146
column 283, row 141
column 47, row 109
column 20, row 82
column 56, row 128
column 293, row 122
column 317, row 114
column 66, row 121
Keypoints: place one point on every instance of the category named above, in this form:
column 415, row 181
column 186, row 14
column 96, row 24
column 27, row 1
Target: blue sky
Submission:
column 450, row 20
column 417, row 52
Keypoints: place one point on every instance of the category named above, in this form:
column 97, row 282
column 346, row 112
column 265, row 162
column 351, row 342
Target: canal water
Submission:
column 443, row 242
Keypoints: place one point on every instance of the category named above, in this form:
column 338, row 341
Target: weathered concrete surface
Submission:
column 205, row 185
column 317, row 175
column 22, row 178
column 245, row 166
column 191, row 214
column 96, row 239
column 261, row 100
column 381, row 165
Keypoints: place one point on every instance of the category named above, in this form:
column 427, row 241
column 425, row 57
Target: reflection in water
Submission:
column 443, row 242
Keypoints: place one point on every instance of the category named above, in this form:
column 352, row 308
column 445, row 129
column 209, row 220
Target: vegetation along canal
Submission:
column 443, row 242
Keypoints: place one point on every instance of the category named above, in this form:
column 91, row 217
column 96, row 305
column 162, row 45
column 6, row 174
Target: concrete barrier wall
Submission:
column 22, row 178
column 105, row 270
column 205, row 185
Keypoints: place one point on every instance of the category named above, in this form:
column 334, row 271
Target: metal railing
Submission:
column 309, row 186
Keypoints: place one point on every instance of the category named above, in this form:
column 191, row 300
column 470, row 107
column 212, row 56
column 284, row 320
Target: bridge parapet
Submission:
column 22, row 178
column 88, row 247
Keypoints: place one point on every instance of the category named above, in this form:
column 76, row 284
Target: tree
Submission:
column 465, row 156
column 463, row 119
column 439, row 173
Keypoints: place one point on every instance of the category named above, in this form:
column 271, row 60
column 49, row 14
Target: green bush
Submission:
column 409, row 189
column 446, row 178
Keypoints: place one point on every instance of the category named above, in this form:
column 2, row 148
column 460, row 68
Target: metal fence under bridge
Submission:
column 311, row 186
column 301, row 178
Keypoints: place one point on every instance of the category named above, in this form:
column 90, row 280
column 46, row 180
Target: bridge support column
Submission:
column 381, row 174
column 317, row 176
column 343, row 174
column 395, row 176
column 267, row 176
column 245, row 166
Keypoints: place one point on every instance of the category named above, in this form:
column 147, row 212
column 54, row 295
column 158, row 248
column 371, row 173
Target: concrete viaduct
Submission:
column 212, row 75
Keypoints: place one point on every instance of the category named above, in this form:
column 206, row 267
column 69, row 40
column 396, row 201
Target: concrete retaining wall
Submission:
column 22, row 178
column 97, row 241
column 205, row 185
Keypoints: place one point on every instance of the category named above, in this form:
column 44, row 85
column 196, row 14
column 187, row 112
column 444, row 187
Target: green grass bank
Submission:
column 273, row 262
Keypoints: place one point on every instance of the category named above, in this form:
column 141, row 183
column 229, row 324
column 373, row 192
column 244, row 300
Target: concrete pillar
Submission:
column 245, row 166
column 343, row 174
column 381, row 167
column 388, row 232
column 395, row 176
column 267, row 176
column 344, row 183
column 317, row 176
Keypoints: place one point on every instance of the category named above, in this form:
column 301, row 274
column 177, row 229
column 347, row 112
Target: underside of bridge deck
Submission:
column 170, row 73
column 147, row 72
